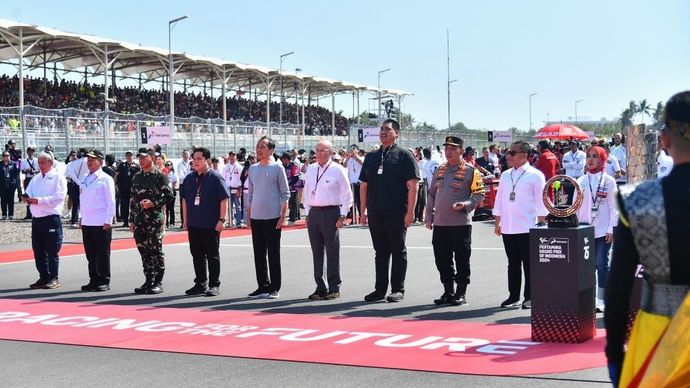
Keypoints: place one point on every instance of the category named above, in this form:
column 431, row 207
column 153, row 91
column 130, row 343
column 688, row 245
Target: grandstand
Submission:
column 68, row 114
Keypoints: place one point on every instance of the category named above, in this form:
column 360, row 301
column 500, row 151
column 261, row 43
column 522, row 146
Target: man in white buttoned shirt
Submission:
column 182, row 170
column 574, row 164
column 327, row 200
column 46, row 196
column 618, row 150
column 231, row 173
column 518, row 207
column 76, row 171
column 354, row 166
column 574, row 161
column 97, row 198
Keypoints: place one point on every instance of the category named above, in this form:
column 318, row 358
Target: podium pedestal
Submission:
column 563, row 285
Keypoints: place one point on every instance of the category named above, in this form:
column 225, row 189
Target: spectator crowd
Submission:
column 130, row 100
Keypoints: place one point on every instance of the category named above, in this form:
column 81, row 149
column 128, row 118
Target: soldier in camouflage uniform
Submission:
column 150, row 193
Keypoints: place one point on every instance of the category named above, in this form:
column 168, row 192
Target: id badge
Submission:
column 197, row 200
column 380, row 170
column 595, row 213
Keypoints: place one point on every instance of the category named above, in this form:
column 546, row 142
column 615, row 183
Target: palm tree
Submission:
column 626, row 118
column 643, row 109
column 633, row 107
column 658, row 115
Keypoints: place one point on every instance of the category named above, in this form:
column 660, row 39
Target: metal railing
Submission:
column 67, row 129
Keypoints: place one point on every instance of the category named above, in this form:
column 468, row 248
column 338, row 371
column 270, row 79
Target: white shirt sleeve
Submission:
column 110, row 203
column 345, row 192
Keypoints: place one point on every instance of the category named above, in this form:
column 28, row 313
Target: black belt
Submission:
column 45, row 217
column 324, row 207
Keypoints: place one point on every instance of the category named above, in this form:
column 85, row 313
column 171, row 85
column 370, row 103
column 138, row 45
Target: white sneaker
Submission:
column 273, row 295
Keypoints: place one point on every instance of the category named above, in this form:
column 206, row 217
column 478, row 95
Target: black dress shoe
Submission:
column 198, row 289
column 317, row 295
column 447, row 298
column 143, row 289
column 88, row 287
column 511, row 303
column 38, row 284
column 460, row 300
column 101, row 288
column 375, row 296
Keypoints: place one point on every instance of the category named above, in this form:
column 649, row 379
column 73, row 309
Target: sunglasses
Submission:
column 513, row 153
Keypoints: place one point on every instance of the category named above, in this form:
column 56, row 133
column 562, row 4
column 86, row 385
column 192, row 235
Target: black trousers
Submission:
column 323, row 235
column 26, row 184
column 266, row 242
column 125, row 196
column 355, row 201
column 294, row 207
column 204, row 244
column 388, row 236
column 421, row 202
column 97, row 249
column 517, row 250
column 46, row 241
column 181, row 190
column 452, row 249
column 170, row 209
column 7, row 201
column 73, row 193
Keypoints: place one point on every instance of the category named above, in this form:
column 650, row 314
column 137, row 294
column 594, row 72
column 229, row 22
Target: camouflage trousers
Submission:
column 150, row 245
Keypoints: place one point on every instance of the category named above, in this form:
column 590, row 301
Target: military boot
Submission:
column 157, row 286
column 448, row 296
column 146, row 286
column 460, row 295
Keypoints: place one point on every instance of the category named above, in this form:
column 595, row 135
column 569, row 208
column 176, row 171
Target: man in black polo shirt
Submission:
column 388, row 194
column 204, row 207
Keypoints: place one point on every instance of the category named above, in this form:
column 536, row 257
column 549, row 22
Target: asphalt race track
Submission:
column 58, row 360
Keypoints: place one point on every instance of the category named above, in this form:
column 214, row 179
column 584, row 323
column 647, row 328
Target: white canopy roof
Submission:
column 46, row 45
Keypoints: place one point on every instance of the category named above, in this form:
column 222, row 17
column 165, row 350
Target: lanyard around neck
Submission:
column 518, row 179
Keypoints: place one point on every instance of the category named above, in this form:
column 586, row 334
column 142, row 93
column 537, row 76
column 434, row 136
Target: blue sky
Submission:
column 603, row 52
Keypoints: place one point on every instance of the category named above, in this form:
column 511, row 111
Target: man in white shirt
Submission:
column 46, row 196
column 97, row 198
column 427, row 168
column 494, row 152
column 518, row 207
column 618, row 150
column 76, row 171
column 613, row 168
column 664, row 161
column 231, row 173
column 29, row 168
column 328, row 199
column 354, row 167
column 574, row 164
column 182, row 172
column 574, row 161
